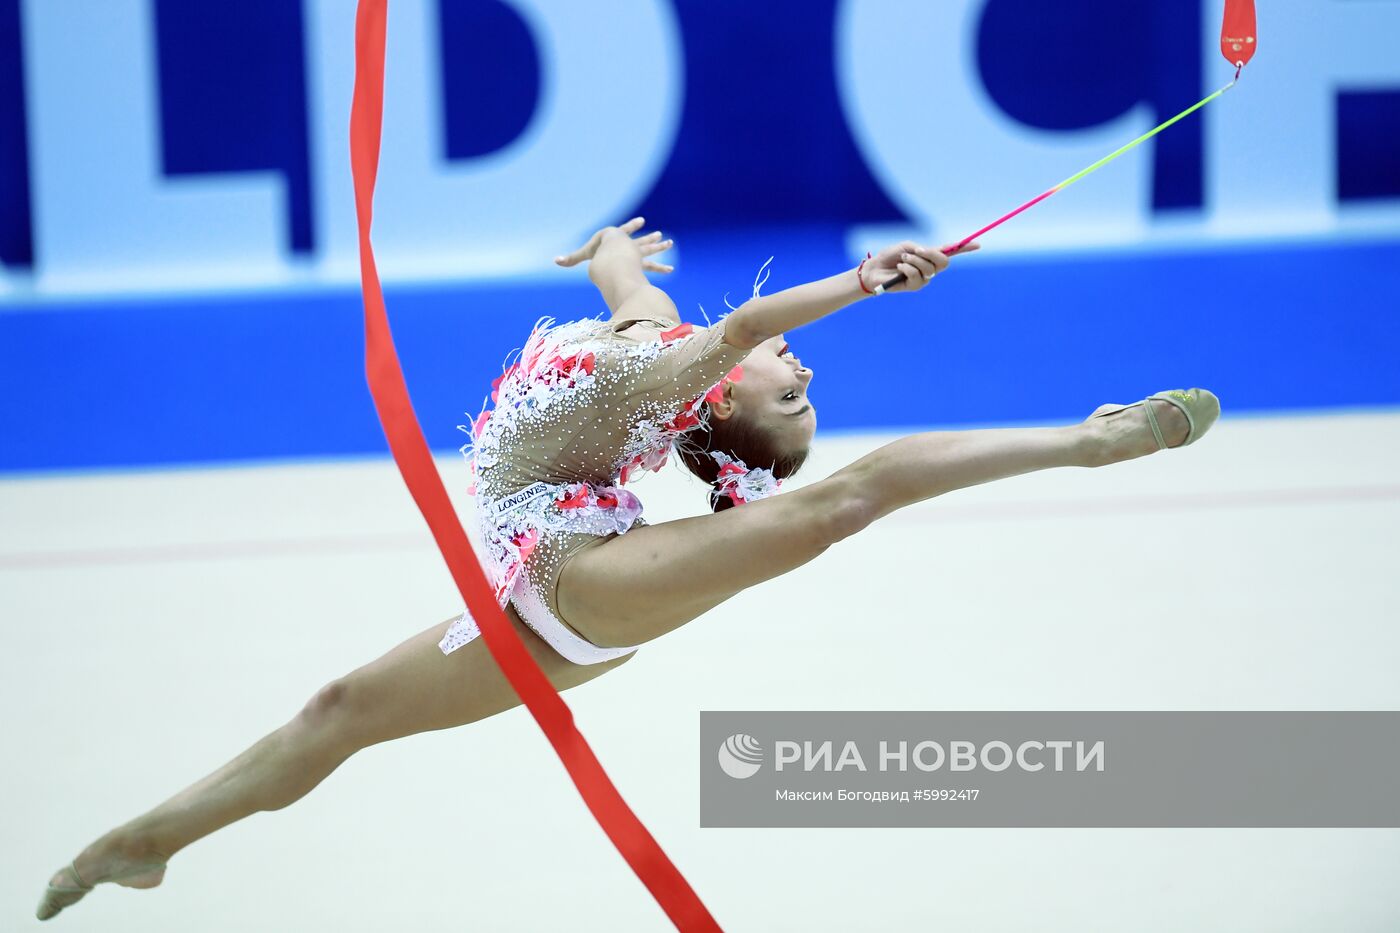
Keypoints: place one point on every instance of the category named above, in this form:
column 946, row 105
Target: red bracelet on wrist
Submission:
column 861, row 280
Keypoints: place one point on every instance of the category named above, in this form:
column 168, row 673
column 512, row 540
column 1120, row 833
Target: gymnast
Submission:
column 584, row 579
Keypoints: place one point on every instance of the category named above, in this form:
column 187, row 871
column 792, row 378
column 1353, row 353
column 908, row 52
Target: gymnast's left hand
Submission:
column 918, row 263
column 641, row 247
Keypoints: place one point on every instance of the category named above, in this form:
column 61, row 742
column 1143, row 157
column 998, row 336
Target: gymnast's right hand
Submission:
column 641, row 246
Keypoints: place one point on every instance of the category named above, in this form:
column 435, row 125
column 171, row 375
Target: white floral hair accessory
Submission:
column 741, row 484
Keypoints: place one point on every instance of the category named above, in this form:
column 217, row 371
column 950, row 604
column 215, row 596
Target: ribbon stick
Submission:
column 415, row 463
column 1237, row 44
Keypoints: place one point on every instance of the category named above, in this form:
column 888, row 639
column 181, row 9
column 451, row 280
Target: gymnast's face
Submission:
column 773, row 394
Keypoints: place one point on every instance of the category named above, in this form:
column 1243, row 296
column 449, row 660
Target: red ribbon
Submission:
column 415, row 463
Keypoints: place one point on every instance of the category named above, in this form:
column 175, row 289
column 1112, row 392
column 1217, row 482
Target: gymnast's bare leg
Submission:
column 413, row 688
column 654, row 579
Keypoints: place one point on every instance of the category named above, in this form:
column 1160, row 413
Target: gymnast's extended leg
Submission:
column 413, row 688
column 656, row 578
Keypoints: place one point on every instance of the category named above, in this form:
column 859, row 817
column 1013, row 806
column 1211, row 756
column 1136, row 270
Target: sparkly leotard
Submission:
column 587, row 406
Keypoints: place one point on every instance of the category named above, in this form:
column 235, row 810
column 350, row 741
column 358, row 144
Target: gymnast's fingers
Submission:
column 924, row 264
column 585, row 251
column 656, row 266
column 969, row 248
column 934, row 256
column 913, row 277
column 650, row 248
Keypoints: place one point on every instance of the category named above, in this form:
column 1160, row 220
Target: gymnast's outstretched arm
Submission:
column 617, row 264
column 759, row 319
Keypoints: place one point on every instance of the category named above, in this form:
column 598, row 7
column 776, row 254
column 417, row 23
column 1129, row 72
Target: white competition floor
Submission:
column 155, row 624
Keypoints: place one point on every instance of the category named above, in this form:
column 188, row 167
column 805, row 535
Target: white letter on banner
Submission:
column 963, row 755
column 1059, row 745
column 919, row 756
column 821, row 755
column 1094, row 755
column 1271, row 164
column 785, row 753
column 850, row 755
column 1005, row 756
column 597, row 142
column 104, row 217
column 901, row 755
column 1021, row 756
column 964, row 163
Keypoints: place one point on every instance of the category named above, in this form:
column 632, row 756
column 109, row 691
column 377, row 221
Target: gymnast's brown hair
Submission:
column 739, row 438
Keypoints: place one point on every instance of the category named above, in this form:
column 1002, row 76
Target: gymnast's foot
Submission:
column 116, row 857
column 1125, row 432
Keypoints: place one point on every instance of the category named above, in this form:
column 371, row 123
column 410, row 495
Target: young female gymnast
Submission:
column 584, row 580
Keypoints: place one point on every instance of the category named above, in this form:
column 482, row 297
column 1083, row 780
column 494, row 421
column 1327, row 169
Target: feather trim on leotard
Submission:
column 556, row 361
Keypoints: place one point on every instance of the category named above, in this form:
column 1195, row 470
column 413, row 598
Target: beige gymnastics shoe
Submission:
column 57, row 896
column 1200, row 406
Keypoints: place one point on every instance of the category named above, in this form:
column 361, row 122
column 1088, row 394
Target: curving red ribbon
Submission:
column 415, row 462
